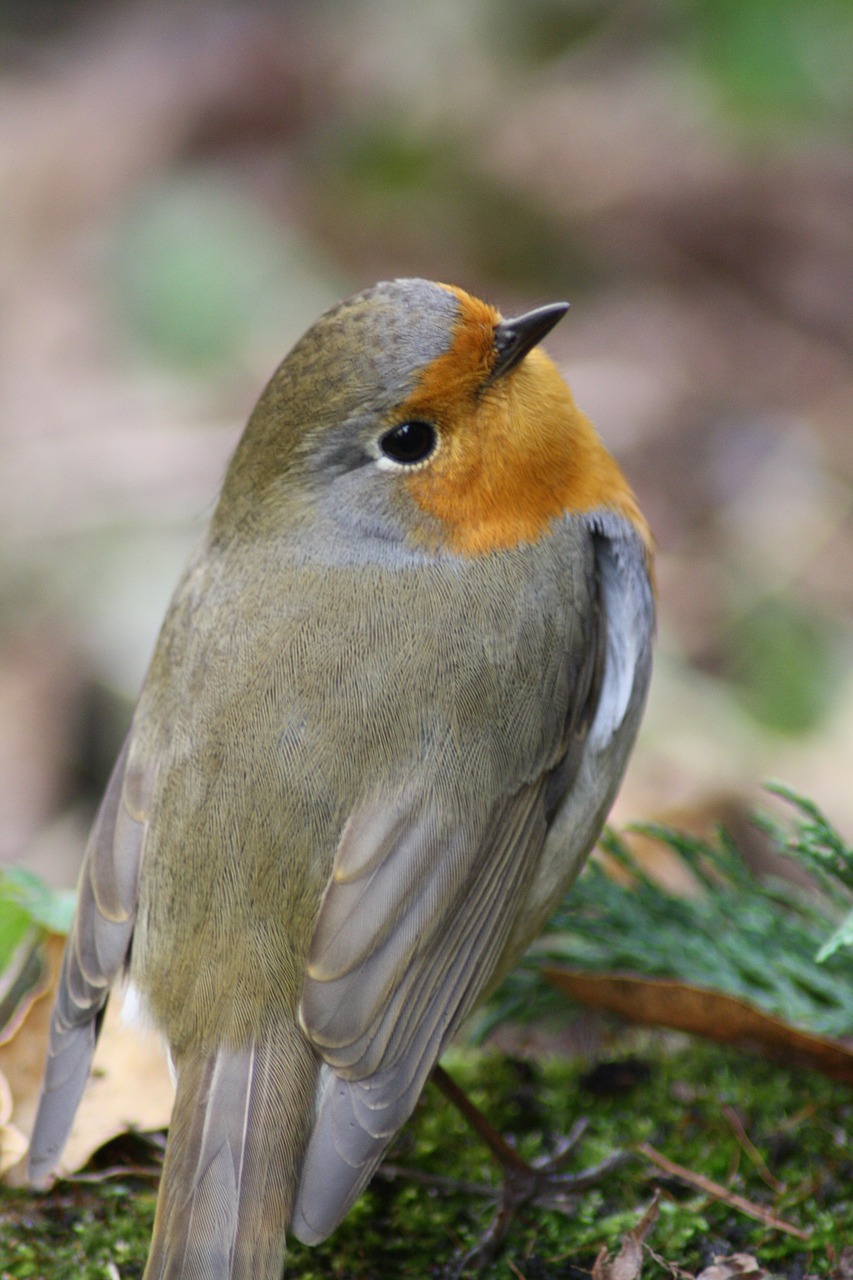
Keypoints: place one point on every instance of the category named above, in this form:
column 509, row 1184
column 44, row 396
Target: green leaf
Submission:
column 53, row 909
column 15, row 924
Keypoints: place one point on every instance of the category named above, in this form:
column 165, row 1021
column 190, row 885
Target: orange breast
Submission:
column 514, row 454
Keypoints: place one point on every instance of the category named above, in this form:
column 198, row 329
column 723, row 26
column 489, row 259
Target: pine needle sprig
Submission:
column 761, row 940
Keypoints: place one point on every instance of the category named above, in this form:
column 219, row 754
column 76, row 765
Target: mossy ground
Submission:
column 678, row 1101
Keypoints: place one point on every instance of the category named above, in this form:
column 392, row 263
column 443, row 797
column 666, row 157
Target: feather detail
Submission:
column 238, row 1129
column 382, row 1037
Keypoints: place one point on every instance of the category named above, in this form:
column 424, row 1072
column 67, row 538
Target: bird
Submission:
column 389, row 709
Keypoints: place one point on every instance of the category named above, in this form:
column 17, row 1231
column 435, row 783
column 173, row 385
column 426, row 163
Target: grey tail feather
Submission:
column 239, row 1127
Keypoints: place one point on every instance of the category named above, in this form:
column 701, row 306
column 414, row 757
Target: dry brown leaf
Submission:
column 668, row 1003
column 628, row 1263
column 737, row 1266
column 5, row 1102
column 843, row 1269
column 13, row 1144
column 129, row 1088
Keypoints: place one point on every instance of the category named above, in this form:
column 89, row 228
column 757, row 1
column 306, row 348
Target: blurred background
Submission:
column 184, row 187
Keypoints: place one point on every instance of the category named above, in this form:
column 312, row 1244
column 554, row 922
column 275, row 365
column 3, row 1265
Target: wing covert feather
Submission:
column 380, row 1033
column 363, row 1009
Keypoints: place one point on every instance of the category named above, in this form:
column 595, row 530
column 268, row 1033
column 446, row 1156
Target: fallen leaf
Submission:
column 668, row 1003
column 737, row 1266
column 13, row 1144
column 843, row 1269
column 129, row 1086
column 628, row 1263
column 23, row 979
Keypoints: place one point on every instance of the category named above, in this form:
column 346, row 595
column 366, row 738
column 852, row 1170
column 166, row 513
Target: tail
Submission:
column 239, row 1127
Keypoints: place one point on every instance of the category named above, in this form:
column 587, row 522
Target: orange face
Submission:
column 514, row 454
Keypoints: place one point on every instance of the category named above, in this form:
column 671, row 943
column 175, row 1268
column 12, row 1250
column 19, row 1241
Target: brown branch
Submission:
column 718, row 1192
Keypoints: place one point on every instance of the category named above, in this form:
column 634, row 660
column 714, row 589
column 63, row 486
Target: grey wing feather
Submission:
column 382, row 1015
column 628, row 602
column 94, row 955
column 578, row 811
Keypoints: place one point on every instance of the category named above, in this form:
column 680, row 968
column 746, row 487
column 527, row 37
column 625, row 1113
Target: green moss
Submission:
column 75, row 1231
column 798, row 1121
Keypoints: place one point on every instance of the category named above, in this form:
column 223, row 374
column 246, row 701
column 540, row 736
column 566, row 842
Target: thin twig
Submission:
column 507, row 1156
column 719, row 1192
column 752, row 1152
column 116, row 1171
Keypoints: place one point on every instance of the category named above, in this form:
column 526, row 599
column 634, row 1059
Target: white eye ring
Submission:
column 409, row 444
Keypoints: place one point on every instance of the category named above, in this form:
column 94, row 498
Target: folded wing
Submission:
column 95, row 953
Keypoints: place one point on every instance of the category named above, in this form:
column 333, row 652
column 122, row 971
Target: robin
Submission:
column 389, row 708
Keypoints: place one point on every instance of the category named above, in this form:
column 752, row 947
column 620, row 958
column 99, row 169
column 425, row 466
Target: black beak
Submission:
column 514, row 338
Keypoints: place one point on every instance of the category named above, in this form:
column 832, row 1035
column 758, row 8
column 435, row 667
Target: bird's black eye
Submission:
column 408, row 443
